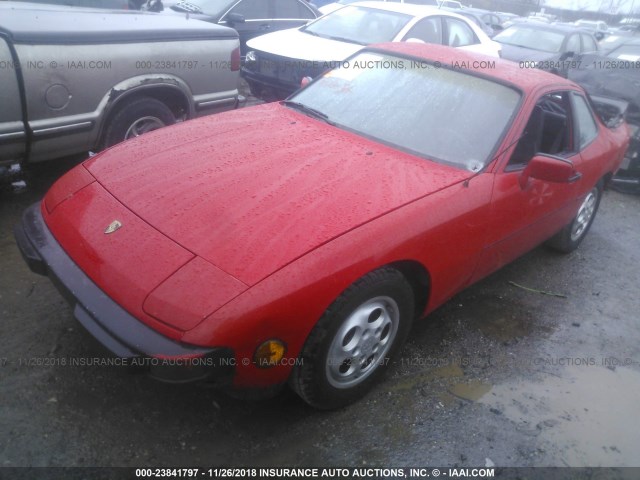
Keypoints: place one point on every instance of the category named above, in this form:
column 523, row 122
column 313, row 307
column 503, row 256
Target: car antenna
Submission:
column 466, row 182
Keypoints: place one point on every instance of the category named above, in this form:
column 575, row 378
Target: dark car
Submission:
column 545, row 46
column 250, row 18
column 617, row 74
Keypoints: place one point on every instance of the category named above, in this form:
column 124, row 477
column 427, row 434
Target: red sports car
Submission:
column 297, row 241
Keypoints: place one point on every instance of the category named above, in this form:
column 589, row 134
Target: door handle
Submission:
column 574, row 178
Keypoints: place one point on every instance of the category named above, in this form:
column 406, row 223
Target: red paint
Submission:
column 245, row 226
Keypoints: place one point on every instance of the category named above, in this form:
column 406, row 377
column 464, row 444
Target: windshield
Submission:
column 359, row 25
column 533, row 38
column 442, row 115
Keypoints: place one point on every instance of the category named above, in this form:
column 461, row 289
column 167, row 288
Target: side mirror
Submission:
column 235, row 18
column 549, row 169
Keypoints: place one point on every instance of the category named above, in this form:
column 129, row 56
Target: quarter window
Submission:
column 587, row 127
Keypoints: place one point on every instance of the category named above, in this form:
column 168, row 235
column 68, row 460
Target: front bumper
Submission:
column 121, row 333
column 276, row 76
column 263, row 86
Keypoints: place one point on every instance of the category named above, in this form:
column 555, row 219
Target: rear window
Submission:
column 359, row 25
column 533, row 38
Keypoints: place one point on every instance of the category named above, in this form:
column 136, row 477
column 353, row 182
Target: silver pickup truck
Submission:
column 74, row 80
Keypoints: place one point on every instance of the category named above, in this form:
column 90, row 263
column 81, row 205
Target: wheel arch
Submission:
column 168, row 89
column 420, row 280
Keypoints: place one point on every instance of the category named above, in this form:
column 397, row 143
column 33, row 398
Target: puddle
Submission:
column 499, row 318
column 472, row 390
column 412, row 381
column 588, row 414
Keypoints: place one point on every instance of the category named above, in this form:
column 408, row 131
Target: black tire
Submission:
column 145, row 112
column 382, row 301
column 568, row 239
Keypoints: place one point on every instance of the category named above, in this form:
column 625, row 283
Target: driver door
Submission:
column 525, row 214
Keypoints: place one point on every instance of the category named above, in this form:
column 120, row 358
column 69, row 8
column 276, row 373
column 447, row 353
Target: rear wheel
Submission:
column 137, row 118
column 568, row 239
column 350, row 347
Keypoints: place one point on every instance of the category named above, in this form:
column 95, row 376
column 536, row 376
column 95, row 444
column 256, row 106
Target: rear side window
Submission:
column 428, row 30
column 459, row 34
column 252, row 9
column 292, row 9
column 573, row 44
column 588, row 44
column 587, row 127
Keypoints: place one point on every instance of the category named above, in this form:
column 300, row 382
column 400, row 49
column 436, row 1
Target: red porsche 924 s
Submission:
column 295, row 242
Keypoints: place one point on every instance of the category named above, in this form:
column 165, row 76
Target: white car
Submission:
column 277, row 62
column 597, row 27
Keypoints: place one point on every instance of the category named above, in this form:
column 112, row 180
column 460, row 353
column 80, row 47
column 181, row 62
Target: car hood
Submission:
column 294, row 43
column 519, row 54
column 254, row 189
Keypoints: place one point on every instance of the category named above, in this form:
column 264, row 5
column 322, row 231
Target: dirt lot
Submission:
column 499, row 375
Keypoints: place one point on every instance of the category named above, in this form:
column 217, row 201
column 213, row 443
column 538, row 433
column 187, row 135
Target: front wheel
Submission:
column 568, row 239
column 351, row 345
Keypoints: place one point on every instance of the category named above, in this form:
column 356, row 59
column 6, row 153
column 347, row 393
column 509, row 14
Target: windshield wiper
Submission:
column 312, row 112
column 348, row 40
column 527, row 47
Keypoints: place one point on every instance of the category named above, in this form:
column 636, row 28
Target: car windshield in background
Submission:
column 533, row 38
column 443, row 115
column 630, row 53
column 360, row 25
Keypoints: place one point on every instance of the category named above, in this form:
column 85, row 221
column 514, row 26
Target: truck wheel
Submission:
column 133, row 119
column 350, row 346
column 568, row 239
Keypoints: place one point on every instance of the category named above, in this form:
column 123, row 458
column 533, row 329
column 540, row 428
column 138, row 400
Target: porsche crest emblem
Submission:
column 113, row 226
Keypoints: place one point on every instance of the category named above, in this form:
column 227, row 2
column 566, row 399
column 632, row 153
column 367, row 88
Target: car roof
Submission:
column 479, row 11
column 552, row 27
column 407, row 8
column 503, row 71
column 591, row 22
column 635, row 41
